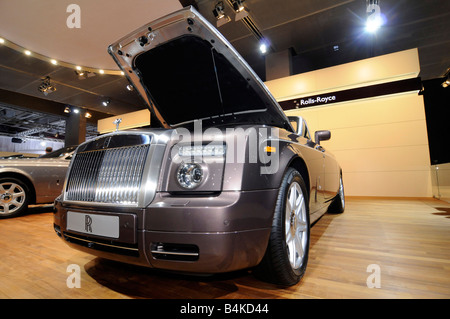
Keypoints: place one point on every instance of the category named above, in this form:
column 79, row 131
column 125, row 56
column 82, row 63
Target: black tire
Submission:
column 14, row 197
column 337, row 206
column 286, row 257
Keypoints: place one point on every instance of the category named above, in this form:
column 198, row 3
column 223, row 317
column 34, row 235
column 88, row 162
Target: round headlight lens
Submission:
column 189, row 175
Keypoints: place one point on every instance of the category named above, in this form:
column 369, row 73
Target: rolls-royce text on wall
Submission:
column 228, row 182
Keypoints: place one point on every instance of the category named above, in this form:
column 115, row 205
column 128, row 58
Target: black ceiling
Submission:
column 319, row 33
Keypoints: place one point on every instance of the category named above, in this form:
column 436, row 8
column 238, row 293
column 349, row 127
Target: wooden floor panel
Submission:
column 409, row 239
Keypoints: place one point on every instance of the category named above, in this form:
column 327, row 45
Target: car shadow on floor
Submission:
column 141, row 282
column 39, row 209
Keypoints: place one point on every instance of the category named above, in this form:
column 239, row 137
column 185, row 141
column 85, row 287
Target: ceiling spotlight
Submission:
column 82, row 74
column 238, row 6
column 446, row 82
column 264, row 46
column 76, row 111
column 53, row 61
column 220, row 15
column 374, row 19
column 130, row 87
column 27, row 52
column 106, row 102
column 2, row 40
column 87, row 115
column 67, row 109
column 101, row 71
column 46, row 87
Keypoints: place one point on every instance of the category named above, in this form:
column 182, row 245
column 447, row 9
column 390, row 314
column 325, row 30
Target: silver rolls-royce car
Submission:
column 227, row 182
column 26, row 181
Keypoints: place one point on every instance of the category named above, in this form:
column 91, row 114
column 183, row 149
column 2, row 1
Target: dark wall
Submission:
column 437, row 111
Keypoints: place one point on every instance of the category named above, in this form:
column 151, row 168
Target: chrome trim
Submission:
column 107, row 176
column 136, row 166
column 99, row 243
column 172, row 253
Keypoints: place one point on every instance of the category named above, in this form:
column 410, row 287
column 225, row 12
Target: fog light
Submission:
column 189, row 175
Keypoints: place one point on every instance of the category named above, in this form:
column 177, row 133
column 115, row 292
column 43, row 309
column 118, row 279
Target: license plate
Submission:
column 93, row 224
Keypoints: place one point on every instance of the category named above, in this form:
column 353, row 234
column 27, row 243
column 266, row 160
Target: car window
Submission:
column 294, row 125
column 305, row 131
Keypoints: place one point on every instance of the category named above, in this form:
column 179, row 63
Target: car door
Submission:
column 331, row 175
column 316, row 162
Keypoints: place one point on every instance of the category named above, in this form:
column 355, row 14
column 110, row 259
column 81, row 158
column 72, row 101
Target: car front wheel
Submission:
column 13, row 197
column 286, row 256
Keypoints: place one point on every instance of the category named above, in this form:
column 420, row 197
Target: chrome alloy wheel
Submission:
column 296, row 226
column 12, row 198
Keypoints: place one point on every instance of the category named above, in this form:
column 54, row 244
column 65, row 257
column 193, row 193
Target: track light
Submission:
column 446, row 82
column 106, row 102
column 264, row 46
column 220, row 15
column 46, row 87
column 238, row 6
column 82, row 74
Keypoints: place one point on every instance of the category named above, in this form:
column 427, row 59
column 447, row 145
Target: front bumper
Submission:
column 189, row 234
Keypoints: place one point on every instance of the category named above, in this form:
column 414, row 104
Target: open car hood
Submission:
column 185, row 70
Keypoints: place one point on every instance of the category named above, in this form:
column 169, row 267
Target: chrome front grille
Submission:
column 111, row 175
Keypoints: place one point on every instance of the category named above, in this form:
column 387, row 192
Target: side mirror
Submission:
column 322, row 136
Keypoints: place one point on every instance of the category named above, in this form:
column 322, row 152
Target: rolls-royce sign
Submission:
column 401, row 86
column 317, row 100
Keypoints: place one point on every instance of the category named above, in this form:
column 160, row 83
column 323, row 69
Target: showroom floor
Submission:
column 401, row 246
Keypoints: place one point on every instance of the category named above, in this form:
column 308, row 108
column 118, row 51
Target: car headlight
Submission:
column 202, row 150
column 189, row 175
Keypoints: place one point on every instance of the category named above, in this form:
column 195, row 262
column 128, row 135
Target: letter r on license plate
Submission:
column 93, row 224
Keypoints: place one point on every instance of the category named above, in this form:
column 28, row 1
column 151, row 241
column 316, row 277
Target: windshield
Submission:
column 58, row 153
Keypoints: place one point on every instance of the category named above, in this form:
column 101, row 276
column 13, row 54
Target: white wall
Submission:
column 381, row 143
column 31, row 146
